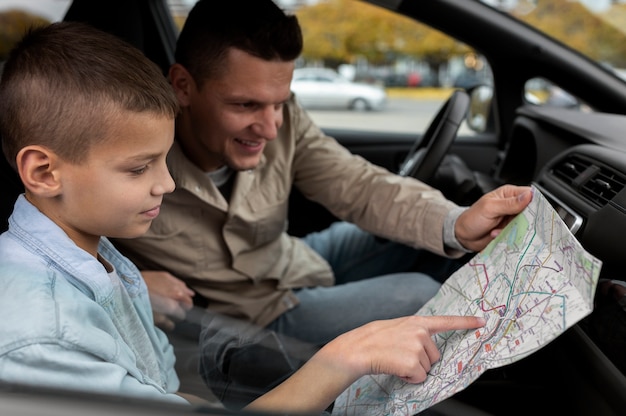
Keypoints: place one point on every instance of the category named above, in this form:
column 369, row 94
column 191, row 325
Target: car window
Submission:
column 543, row 92
column 419, row 72
column 16, row 16
column 50, row 10
column 593, row 28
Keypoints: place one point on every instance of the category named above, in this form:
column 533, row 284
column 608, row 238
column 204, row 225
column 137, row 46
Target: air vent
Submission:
column 603, row 186
column 596, row 182
column 570, row 169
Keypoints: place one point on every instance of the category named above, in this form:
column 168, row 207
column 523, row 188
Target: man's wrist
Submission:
column 449, row 236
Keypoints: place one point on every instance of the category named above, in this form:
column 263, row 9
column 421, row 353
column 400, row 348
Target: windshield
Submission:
column 594, row 28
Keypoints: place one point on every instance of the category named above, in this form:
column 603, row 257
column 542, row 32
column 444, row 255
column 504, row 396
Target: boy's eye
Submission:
column 139, row 171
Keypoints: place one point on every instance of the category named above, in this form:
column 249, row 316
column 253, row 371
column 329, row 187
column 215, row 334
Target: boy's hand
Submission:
column 403, row 347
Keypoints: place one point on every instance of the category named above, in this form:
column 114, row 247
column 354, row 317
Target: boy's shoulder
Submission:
column 39, row 304
column 28, row 281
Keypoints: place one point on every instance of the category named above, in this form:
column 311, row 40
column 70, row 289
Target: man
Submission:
column 242, row 142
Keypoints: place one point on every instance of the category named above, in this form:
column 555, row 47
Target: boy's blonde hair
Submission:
column 64, row 84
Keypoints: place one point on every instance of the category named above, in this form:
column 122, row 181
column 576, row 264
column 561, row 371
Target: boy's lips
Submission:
column 153, row 212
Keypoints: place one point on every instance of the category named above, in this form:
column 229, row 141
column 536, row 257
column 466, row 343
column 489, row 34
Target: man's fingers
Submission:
column 512, row 199
column 168, row 306
column 175, row 310
column 185, row 296
column 165, row 284
column 513, row 191
column 163, row 322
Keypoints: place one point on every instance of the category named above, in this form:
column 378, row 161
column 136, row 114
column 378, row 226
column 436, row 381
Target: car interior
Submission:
column 576, row 158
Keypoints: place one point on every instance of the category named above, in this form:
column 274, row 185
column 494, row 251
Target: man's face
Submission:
column 233, row 116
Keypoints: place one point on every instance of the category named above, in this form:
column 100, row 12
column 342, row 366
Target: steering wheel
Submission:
column 427, row 153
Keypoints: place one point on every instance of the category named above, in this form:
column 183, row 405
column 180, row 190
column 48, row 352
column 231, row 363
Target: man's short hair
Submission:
column 257, row 27
column 63, row 84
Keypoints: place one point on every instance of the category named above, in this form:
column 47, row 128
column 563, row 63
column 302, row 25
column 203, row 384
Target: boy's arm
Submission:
column 59, row 367
column 402, row 347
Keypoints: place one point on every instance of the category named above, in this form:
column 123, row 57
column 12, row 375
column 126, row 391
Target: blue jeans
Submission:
column 374, row 279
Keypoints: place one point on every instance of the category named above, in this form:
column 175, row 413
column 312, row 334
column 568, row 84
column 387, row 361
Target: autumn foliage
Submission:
column 342, row 31
column 13, row 25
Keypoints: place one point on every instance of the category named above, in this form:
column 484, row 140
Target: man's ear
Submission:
column 37, row 167
column 182, row 82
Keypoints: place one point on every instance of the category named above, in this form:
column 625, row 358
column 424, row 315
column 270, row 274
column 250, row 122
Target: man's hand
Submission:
column 484, row 220
column 169, row 296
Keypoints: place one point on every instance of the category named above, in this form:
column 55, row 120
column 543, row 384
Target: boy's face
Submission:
column 232, row 117
column 118, row 190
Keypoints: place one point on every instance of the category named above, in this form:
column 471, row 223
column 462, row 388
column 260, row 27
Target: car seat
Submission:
column 11, row 187
column 133, row 21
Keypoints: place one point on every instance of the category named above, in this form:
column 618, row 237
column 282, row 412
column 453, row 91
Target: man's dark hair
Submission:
column 257, row 27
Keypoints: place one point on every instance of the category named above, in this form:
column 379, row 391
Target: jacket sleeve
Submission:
column 57, row 366
column 399, row 208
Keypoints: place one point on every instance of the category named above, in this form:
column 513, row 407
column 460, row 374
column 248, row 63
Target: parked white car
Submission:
column 326, row 88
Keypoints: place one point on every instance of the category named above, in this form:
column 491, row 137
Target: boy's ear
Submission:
column 182, row 82
column 37, row 166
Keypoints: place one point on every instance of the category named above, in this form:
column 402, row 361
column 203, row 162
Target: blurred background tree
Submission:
column 343, row 31
column 571, row 23
column 13, row 25
column 347, row 31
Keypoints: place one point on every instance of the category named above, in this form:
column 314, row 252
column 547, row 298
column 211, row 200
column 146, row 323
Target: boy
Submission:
column 87, row 122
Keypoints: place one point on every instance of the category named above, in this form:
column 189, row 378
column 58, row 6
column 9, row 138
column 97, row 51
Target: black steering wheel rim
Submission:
column 427, row 153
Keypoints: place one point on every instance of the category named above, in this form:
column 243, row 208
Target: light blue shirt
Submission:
column 68, row 323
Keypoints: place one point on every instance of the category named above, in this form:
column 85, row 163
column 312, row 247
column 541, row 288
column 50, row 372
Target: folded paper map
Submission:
column 531, row 283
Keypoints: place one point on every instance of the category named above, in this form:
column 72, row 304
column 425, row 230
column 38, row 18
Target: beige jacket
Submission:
column 238, row 254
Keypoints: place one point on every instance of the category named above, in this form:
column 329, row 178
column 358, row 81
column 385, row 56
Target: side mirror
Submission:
column 478, row 114
column 542, row 92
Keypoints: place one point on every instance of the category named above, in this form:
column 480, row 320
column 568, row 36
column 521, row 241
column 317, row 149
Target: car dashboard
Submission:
column 578, row 161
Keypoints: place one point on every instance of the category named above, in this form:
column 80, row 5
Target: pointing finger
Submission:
column 448, row 323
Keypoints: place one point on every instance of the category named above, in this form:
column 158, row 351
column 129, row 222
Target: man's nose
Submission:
column 268, row 122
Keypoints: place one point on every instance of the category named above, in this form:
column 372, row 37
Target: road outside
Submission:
column 407, row 111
